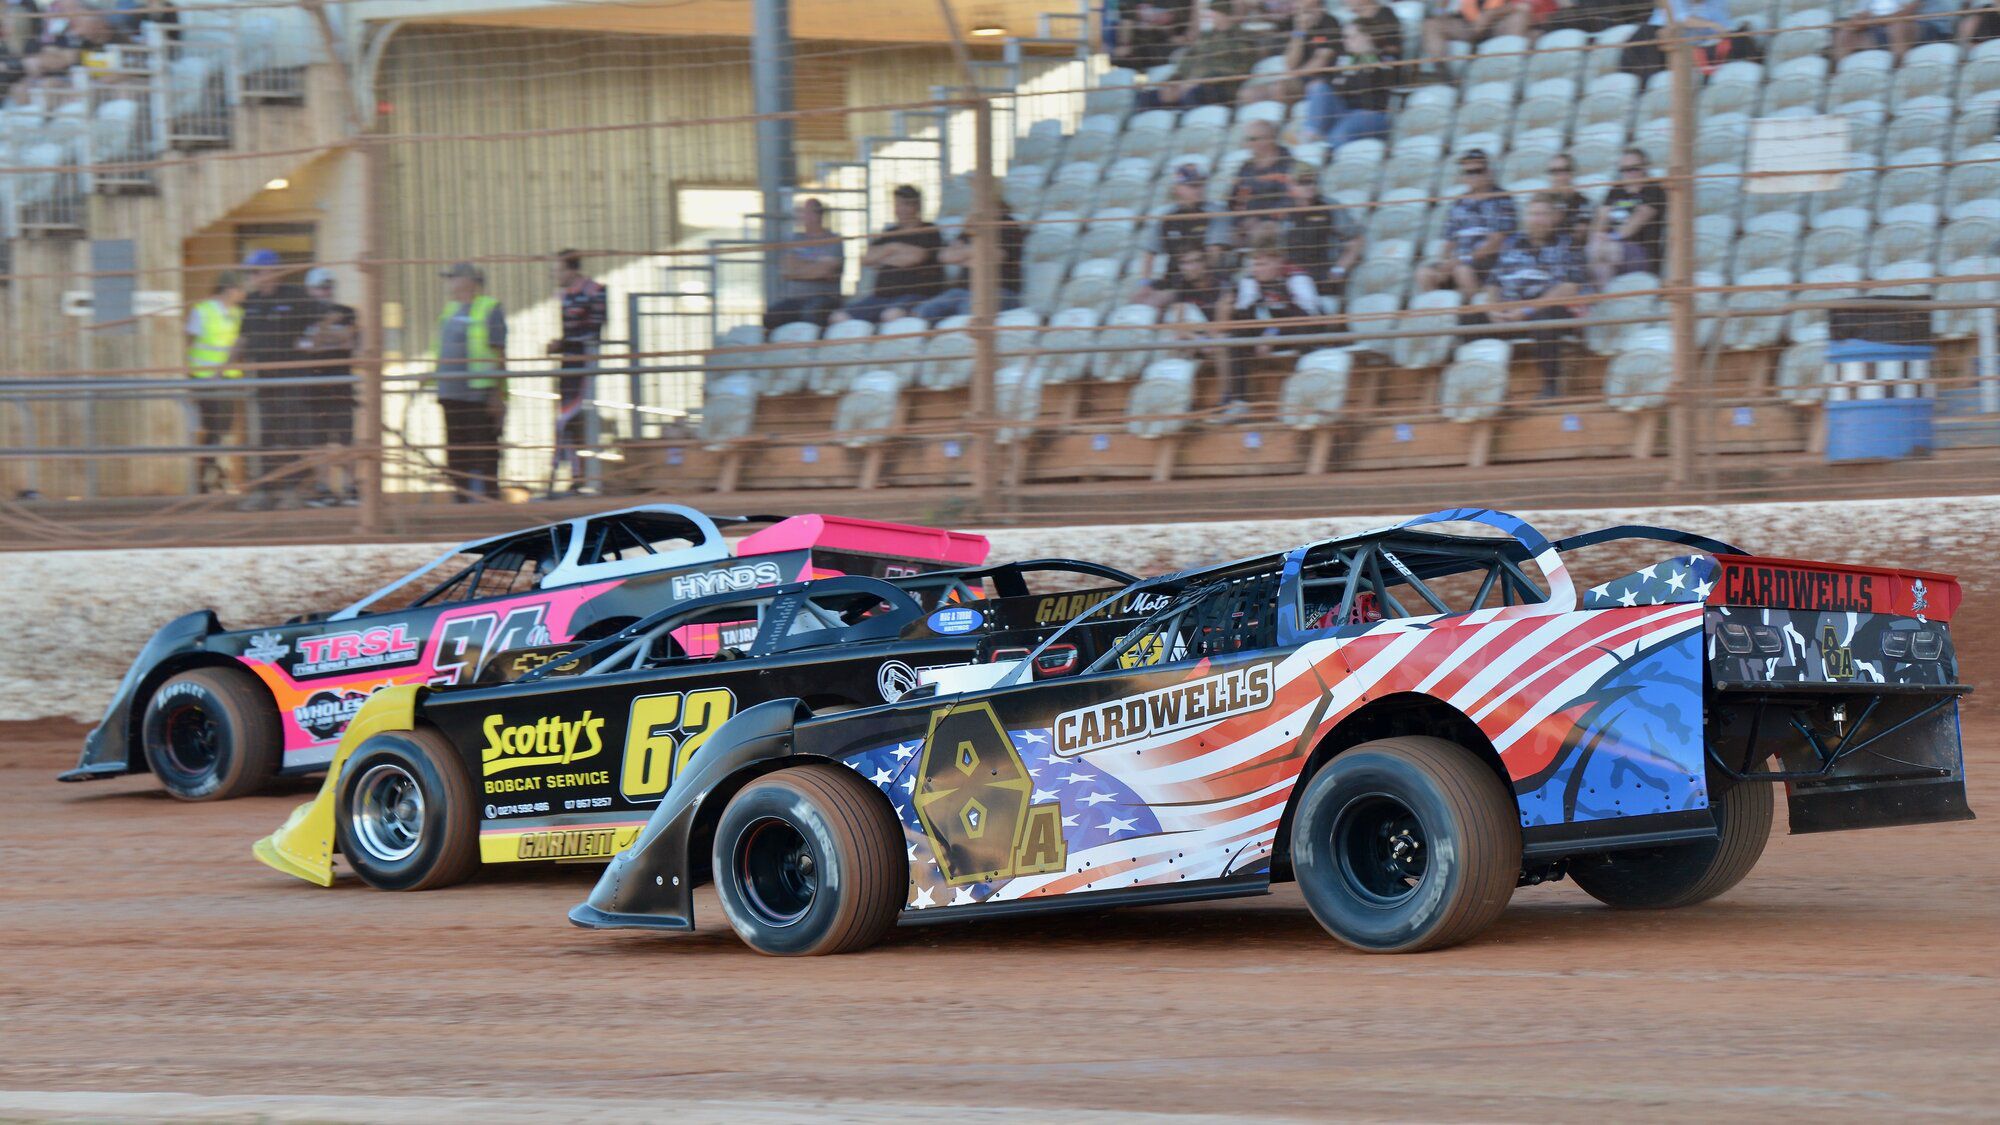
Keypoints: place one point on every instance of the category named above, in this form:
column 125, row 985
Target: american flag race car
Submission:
column 1410, row 723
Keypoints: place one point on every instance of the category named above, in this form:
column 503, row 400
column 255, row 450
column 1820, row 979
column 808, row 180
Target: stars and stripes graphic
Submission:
column 1688, row 578
column 1586, row 709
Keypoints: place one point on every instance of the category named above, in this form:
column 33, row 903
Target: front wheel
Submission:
column 210, row 734
column 1683, row 874
column 809, row 861
column 1406, row 844
column 407, row 818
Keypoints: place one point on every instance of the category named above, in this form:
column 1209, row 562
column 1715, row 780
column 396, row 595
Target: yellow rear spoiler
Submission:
column 303, row 845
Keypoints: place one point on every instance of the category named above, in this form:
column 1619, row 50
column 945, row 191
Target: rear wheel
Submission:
column 407, row 818
column 1406, row 844
column 1683, row 874
column 809, row 861
column 210, row 734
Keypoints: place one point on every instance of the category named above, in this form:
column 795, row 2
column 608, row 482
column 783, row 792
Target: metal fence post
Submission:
column 369, row 420
column 985, row 308
column 1689, row 403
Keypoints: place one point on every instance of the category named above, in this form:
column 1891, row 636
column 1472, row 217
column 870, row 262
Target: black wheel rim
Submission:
column 192, row 739
column 1382, row 849
column 778, row 870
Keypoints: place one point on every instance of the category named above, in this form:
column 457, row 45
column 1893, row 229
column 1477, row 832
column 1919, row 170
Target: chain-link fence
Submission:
column 1282, row 252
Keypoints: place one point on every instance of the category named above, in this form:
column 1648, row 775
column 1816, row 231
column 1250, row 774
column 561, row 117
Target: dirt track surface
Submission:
column 1853, row 976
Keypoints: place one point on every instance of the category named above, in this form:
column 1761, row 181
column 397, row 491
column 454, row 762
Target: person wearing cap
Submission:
column 329, row 408
column 212, row 328
column 585, row 309
column 276, row 315
column 904, row 258
column 1475, row 228
column 471, row 349
column 1190, row 227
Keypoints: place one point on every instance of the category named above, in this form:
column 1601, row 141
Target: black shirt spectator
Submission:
column 584, row 313
column 905, row 259
column 1147, row 31
column 1622, row 200
column 1323, row 239
column 1261, row 182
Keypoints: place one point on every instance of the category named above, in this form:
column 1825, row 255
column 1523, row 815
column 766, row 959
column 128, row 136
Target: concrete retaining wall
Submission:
column 73, row 620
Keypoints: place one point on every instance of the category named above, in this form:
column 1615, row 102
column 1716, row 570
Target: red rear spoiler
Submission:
column 867, row 537
column 1754, row 580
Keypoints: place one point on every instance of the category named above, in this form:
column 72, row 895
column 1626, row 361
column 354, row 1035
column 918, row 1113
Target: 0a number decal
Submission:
column 663, row 734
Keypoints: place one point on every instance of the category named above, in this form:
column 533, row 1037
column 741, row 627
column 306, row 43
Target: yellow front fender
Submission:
column 303, row 845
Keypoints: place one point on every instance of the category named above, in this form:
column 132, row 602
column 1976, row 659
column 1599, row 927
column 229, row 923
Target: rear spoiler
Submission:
column 867, row 537
column 1779, row 583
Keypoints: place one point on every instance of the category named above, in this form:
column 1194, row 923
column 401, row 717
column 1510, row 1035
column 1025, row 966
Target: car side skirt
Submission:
column 1206, row 889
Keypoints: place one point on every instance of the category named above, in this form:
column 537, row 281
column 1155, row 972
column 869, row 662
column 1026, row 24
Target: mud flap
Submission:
column 1871, row 756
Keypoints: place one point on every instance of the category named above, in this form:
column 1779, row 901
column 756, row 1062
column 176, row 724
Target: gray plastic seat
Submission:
column 729, row 407
column 1639, row 376
column 869, row 405
column 1166, row 387
column 1427, row 351
column 1475, row 384
column 1315, row 392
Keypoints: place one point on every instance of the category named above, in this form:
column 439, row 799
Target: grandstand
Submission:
column 168, row 145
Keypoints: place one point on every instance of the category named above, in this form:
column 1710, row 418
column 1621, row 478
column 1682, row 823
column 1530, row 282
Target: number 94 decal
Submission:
column 663, row 733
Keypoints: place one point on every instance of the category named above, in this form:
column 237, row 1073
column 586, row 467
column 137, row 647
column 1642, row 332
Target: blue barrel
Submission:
column 1878, row 429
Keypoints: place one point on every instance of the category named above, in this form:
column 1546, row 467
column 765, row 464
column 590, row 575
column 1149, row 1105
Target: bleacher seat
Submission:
column 1768, row 244
column 1111, row 94
column 1807, row 34
column 1557, row 54
column 788, row 371
column 1069, row 328
column 1952, row 324
column 1475, row 384
column 1074, row 188
column 1928, row 70
column 1414, row 162
column 1316, row 391
column 1922, row 123
column 1113, row 233
column 1729, row 97
column 1718, row 190
column 898, row 347
column 1421, row 120
column 1596, row 149
column 1796, row 88
column 1722, row 139
column 729, row 407
column 1129, row 192
column 1867, row 123
column 1976, row 124
column 1861, row 76
column 870, row 404
column 1484, row 115
column 1811, row 324
column 1980, row 76
column 848, row 340
column 1427, row 351
column 1398, row 217
column 1129, row 324
column 1605, row 46
column 948, row 357
column 1527, row 160
column 1165, row 387
column 1017, row 397
column 1975, row 178
column 1626, row 296
column 1503, row 58
column 1913, row 270
column 1384, row 270
column 1971, row 235
column 1607, row 100
column 1021, row 189
column 1041, row 144
column 1092, row 284
column 1745, row 329
column 1095, row 139
column 1016, row 330
column 1833, row 245
column 1916, row 176
column 1640, row 374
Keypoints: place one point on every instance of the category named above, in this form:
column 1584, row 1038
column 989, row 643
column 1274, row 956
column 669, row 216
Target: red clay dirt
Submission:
column 1852, row 976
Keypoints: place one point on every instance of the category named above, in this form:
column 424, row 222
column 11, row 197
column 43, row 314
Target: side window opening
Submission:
column 512, row 566
column 1210, row 618
column 1388, row 580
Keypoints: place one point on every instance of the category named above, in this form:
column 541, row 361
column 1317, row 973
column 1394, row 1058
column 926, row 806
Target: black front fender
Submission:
column 107, row 750
column 650, row 885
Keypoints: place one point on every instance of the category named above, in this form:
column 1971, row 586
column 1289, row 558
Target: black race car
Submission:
column 566, row 761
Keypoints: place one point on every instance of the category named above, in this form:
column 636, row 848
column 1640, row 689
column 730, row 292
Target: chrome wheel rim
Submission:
column 388, row 812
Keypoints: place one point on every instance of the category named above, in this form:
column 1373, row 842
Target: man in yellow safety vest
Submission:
column 471, row 350
column 212, row 329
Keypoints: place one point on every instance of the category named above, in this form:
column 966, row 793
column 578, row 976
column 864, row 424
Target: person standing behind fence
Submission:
column 276, row 314
column 471, row 347
column 329, row 407
column 585, row 308
column 212, row 329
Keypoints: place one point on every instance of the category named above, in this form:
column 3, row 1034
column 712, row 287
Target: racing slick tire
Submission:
column 210, row 734
column 407, row 819
column 809, row 861
column 1406, row 844
column 1676, row 875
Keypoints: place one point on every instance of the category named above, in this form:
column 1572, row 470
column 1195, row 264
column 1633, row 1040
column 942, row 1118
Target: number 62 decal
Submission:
column 663, row 733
